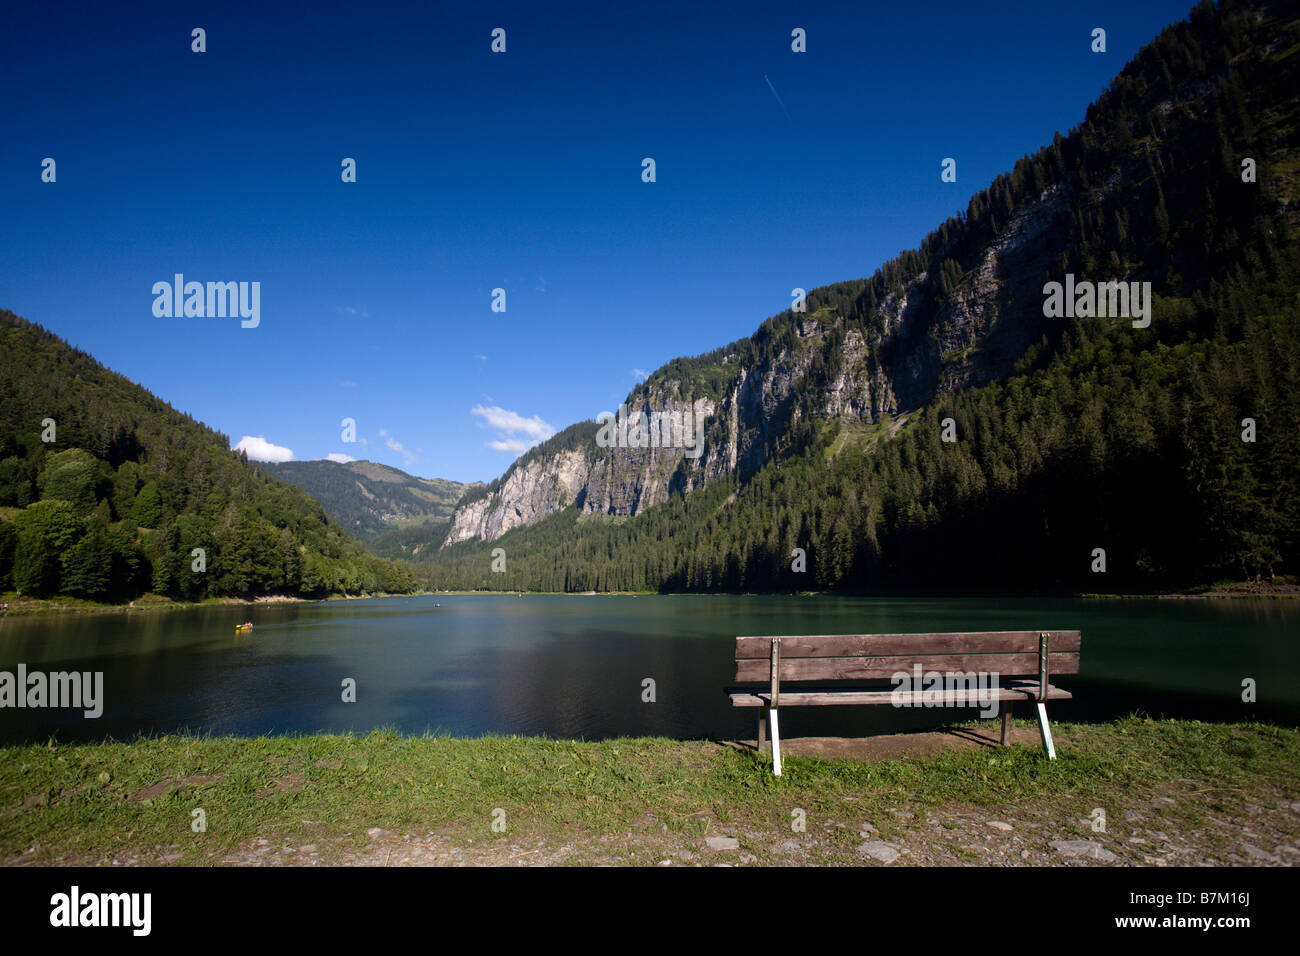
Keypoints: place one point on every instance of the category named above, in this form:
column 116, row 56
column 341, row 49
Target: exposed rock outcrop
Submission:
column 922, row 346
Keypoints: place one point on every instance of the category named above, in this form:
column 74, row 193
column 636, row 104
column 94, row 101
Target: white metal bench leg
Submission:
column 776, row 743
column 1045, row 728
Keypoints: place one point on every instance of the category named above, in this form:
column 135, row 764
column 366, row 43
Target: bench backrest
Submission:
column 865, row 657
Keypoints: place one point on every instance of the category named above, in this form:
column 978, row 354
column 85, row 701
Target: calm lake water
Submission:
column 573, row 666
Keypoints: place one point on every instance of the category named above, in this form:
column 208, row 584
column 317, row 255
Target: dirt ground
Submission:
column 891, row 746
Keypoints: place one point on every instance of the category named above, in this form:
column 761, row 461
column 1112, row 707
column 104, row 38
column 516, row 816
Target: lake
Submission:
column 573, row 666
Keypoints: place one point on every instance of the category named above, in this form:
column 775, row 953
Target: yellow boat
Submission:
column 243, row 627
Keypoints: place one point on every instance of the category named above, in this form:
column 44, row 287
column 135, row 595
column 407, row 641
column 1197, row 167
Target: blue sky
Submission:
column 478, row 170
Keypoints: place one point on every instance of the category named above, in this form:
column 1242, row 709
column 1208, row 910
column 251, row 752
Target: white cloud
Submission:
column 512, row 425
column 507, row 421
column 640, row 374
column 259, row 449
column 338, row 456
column 396, row 446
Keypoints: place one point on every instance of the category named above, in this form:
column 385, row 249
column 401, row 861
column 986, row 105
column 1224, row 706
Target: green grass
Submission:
column 66, row 604
column 85, row 803
column 859, row 438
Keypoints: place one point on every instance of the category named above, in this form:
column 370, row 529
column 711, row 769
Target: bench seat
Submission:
column 1019, row 663
column 1010, row 690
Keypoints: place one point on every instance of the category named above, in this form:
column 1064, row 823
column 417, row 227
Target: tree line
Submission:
column 106, row 493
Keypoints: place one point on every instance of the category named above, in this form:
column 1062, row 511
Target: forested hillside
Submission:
column 1073, row 434
column 106, row 492
column 370, row 499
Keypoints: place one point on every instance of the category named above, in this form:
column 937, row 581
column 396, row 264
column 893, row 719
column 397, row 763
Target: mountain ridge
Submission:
column 370, row 498
column 1148, row 187
column 958, row 311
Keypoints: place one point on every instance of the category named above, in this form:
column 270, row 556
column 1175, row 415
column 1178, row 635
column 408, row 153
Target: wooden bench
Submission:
column 1021, row 660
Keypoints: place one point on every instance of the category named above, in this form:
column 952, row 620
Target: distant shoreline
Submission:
column 29, row 607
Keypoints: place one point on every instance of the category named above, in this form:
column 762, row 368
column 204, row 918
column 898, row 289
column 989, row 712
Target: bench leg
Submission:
column 762, row 730
column 1006, row 723
column 776, row 745
column 1046, row 730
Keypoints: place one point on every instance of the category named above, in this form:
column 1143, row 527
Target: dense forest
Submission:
column 1100, row 436
column 106, row 493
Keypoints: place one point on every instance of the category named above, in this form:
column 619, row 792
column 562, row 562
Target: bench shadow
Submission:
column 744, row 746
column 972, row 735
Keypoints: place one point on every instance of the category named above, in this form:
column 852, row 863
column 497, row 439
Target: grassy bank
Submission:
column 1171, row 791
column 62, row 604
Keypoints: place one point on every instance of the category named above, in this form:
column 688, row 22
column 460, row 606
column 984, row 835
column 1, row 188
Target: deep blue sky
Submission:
column 478, row 170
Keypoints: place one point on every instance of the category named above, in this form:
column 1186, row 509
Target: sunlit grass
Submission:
column 93, row 802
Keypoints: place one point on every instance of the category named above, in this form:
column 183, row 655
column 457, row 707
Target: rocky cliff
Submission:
column 915, row 342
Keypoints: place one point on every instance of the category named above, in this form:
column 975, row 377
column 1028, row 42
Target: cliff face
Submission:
column 1178, row 182
column 610, row 481
column 921, row 346
column 996, row 314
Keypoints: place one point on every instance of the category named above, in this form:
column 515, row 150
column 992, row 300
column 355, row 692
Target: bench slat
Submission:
column 760, row 697
column 886, row 645
column 882, row 668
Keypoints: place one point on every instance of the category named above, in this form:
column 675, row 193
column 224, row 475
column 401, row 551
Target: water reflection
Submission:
column 575, row 666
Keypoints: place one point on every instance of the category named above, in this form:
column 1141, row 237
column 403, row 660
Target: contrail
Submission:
column 778, row 97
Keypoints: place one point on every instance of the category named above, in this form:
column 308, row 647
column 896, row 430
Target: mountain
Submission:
column 369, row 499
column 824, row 431
column 107, row 492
